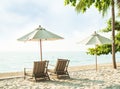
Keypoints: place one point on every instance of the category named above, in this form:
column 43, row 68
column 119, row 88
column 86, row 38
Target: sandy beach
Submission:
column 82, row 77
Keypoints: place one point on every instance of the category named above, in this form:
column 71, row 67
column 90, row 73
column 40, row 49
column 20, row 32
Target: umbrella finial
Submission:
column 94, row 32
column 39, row 26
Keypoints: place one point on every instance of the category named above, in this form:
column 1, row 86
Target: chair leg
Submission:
column 57, row 76
column 67, row 74
column 48, row 76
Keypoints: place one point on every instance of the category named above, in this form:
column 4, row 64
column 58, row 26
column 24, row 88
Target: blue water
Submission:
column 17, row 61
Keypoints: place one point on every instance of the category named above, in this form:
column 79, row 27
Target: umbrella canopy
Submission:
column 40, row 34
column 95, row 39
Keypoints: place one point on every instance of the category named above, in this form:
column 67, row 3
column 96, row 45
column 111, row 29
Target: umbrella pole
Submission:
column 41, row 49
column 96, row 56
column 96, row 61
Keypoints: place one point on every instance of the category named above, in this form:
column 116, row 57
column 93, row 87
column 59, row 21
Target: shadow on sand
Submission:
column 73, row 82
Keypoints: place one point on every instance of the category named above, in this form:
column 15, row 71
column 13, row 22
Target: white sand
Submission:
column 83, row 77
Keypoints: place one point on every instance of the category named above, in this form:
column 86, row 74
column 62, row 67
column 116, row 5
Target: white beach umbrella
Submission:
column 95, row 39
column 40, row 34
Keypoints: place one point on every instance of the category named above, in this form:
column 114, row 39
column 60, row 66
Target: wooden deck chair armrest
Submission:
column 25, row 69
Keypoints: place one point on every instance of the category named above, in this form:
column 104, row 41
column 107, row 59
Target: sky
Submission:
column 19, row 17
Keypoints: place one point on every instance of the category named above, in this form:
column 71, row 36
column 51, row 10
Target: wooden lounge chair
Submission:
column 39, row 71
column 61, row 69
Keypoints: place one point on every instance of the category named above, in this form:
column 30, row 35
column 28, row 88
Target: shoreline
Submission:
column 70, row 69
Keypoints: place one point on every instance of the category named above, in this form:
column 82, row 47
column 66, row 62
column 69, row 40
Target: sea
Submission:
column 17, row 61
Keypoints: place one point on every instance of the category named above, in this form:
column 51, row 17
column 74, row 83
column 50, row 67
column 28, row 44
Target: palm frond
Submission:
column 118, row 6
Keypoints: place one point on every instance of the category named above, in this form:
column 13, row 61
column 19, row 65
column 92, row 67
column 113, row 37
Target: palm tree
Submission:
column 113, row 35
column 102, row 6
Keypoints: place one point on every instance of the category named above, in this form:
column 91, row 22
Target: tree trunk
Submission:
column 113, row 36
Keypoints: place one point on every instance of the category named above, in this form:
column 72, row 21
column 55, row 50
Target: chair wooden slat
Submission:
column 39, row 70
column 61, row 68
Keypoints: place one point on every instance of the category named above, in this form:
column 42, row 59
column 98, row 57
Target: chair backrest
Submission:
column 40, row 67
column 61, row 66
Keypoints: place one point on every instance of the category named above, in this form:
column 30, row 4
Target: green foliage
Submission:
column 106, row 48
column 117, row 25
column 108, row 28
column 83, row 5
column 117, row 40
column 118, row 6
column 102, row 5
column 117, row 37
column 72, row 2
column 100, row 49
